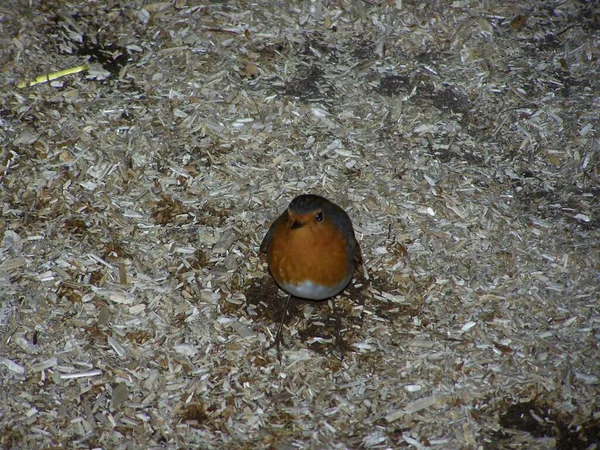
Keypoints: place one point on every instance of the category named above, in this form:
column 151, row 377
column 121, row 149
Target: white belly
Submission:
column 309, row 290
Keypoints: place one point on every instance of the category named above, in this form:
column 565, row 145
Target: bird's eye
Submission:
column 319, row 217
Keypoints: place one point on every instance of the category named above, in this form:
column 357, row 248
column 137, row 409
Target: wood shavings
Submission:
column 462, row 140
column 12, row 366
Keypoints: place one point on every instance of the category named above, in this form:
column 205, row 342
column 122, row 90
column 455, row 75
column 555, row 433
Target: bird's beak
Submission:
column 293, row 221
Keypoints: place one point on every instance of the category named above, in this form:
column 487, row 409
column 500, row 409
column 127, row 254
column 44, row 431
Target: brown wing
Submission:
column 357, row 253
column 266, row 242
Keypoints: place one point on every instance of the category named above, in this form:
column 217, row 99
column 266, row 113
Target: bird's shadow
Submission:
column 333, row 326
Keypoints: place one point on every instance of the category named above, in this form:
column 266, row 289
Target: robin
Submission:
column 311, row 250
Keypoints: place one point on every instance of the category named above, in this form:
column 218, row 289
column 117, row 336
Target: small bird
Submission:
column 311, row 250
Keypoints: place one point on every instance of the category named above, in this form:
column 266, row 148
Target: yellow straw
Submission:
column 53, row 76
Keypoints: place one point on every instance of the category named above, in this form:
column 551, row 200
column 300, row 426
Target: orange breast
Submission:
column 315, row 254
